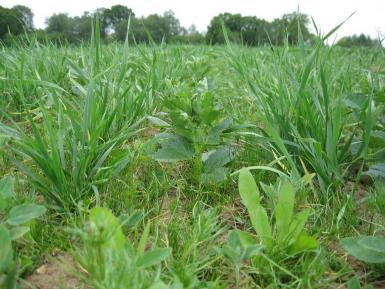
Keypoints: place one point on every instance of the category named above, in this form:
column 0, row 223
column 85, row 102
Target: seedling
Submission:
column 111, row 259
column 200, row 133
column 13, row 225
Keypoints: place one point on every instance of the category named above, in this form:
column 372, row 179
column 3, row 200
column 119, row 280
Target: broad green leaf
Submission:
column 131, row 220
column 356, row 100
column 154, row 257
column 178, row 149
column 105, row 228
column 376, row 171
column 18, row 232
column 284, row 209
column 210, row 112
column 251, row 251
column 3, row 203
column 214, row 134
column 297, row 226
column 157, row 121
column 218, row 158
column 303, row 242
column 250, row 245
column 354, row 283
column 143, row 240
column 373, row 243
column 182, row 124
column 246, row 239
column 24, row 213
column 10, row 281
column 354, row 248
column 248, row 190
column 231, row 253
column 233, row 239
column 6, row 253
column 378, row 135
column 216, row 176
column 6, row 187
column 261, row 225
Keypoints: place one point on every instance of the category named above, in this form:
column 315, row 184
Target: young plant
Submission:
column 287, row 232
column 112, row 260
column 280, row 235
column 193, row 243
column 304, row 115
column 200, row 133
column 13, row 225
column 68, row 146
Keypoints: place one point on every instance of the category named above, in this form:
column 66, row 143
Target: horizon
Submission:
column 367, row 18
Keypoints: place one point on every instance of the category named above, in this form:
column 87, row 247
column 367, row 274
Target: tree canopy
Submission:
column 15, row 20
column 156, row 28
column 253, row 31
column 358, row 40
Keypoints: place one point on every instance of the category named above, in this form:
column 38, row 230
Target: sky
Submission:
column 369, row 17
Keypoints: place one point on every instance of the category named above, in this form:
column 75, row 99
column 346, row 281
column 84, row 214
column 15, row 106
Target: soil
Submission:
column 54, row 274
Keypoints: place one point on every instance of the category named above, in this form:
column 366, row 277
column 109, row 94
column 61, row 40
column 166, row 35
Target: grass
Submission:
column 80, row 129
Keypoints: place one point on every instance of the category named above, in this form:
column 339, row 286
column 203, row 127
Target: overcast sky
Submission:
column 369, row 17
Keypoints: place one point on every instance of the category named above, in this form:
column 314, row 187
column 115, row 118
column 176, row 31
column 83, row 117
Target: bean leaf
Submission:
column 24, row 213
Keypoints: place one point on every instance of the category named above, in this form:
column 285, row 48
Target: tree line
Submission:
column 249, row 30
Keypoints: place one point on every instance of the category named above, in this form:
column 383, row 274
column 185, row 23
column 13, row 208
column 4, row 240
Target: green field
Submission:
column 193, row 166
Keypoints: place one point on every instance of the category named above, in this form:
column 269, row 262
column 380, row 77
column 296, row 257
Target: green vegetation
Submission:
column 17, row 22
column 358, row 40
column 112, row 260
column 252, row 31
column 201, row 132
column 134, row 153
column 11, row 219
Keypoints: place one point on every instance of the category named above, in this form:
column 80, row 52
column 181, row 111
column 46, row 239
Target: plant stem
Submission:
column 198, row 167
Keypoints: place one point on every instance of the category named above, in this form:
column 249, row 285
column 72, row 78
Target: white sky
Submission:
column 369, row 17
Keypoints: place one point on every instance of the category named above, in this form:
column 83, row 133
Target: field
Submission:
column 177, row 166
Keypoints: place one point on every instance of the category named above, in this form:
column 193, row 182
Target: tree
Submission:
column 60, row 26
column 156, row 27
column 193, row 36
column 277, row 31
column 233, row 24
column 101, row 13
column 10, row 21
column 171, row 24
column 82, row 27
column 116, row 15
column 361, row 40
column 290, row 23
column 25, row 15
column 254, row 31
column 113, row 20
column 249, row 30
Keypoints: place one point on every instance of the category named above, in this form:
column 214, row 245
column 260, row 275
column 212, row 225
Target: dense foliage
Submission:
column 257, row 32
column 358, row 40
column 15, row 20
column 249, row 30
column 193, row 166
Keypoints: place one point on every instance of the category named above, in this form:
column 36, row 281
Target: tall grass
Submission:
column 73, row 141
column 300, row 96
